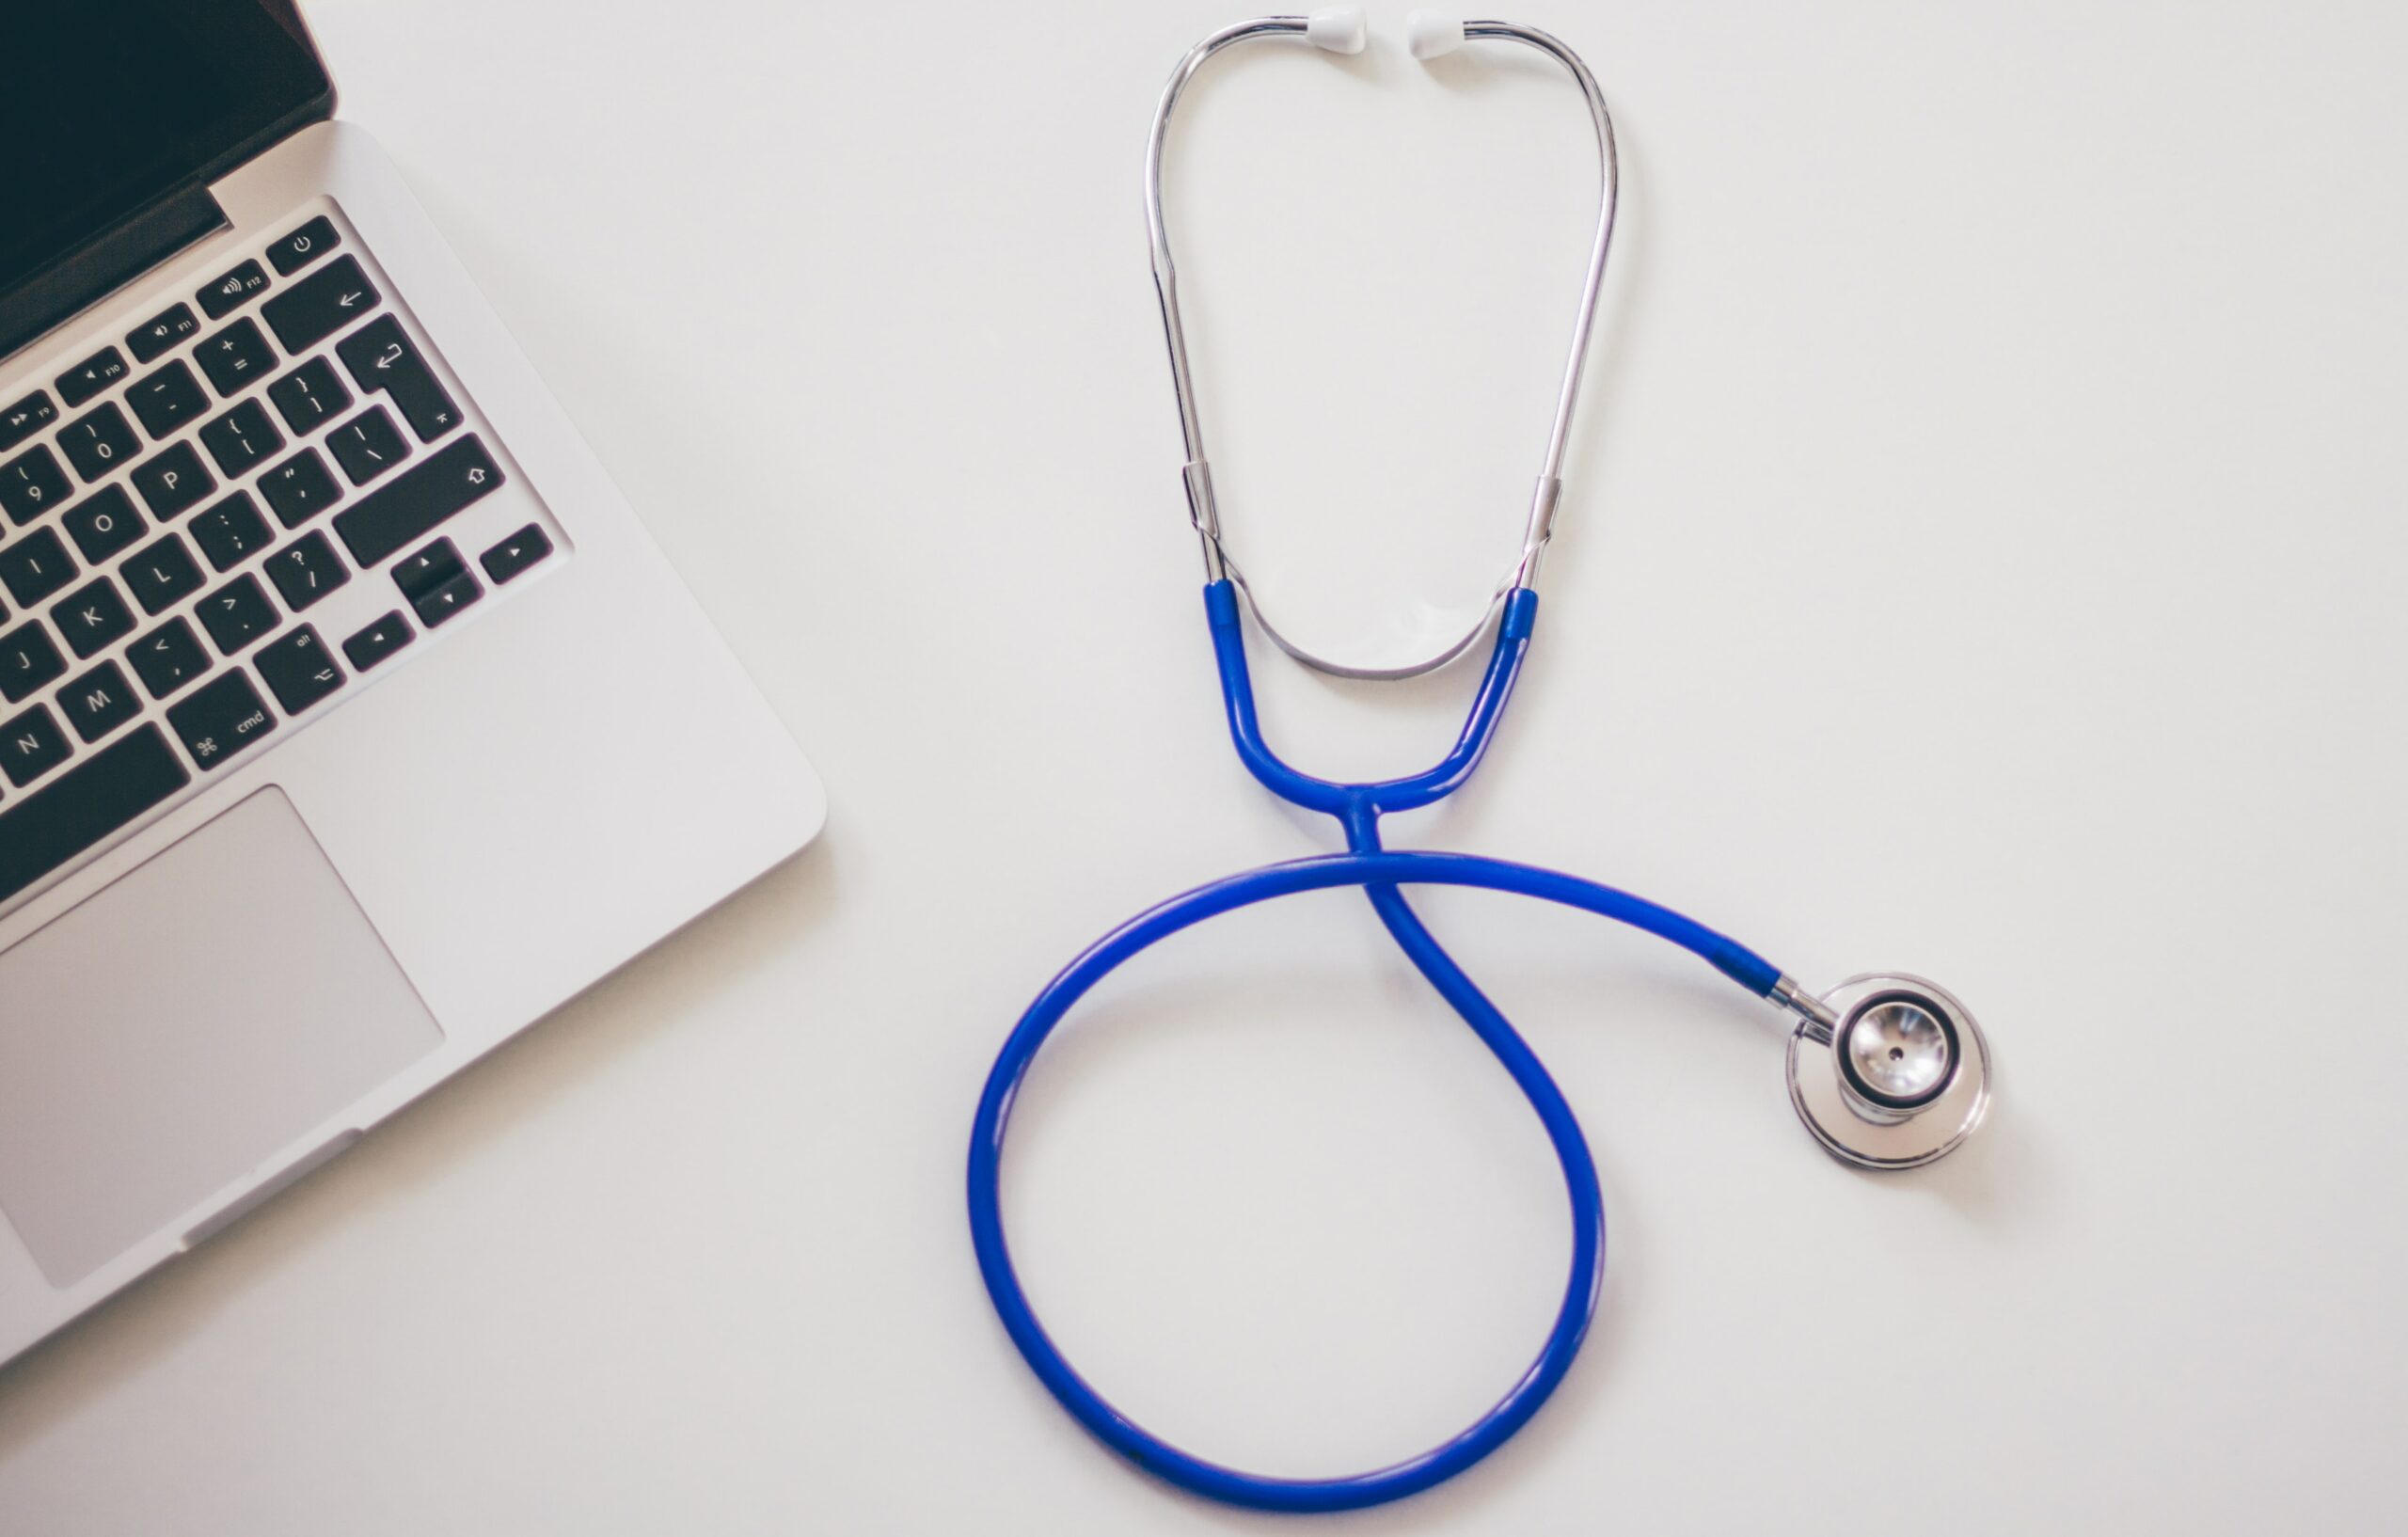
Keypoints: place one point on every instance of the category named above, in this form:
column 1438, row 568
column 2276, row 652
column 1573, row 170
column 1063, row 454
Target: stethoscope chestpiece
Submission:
column 1901, row 1078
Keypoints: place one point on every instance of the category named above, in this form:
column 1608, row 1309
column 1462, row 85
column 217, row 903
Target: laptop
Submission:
column 349, row 721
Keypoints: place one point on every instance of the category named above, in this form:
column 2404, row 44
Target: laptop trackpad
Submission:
column 182, row 1026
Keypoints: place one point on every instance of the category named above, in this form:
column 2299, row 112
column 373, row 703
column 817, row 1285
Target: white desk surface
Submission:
column 1981, row 557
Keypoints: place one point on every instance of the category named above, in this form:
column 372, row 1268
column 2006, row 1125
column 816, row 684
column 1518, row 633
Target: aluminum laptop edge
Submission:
column 339, row 902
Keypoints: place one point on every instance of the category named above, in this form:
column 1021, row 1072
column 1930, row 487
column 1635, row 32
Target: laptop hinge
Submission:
column 107, row 263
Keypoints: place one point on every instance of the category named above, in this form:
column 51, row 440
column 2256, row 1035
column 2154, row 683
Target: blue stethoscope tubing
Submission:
column 1380, row 872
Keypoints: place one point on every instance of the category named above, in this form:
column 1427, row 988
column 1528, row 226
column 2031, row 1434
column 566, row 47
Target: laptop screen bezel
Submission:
column 163, row 204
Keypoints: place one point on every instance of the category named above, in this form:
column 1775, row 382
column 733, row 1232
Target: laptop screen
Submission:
column 107, row 105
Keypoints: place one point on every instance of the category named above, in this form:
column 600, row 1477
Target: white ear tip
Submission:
column 1341, row 29
column 1430, row 33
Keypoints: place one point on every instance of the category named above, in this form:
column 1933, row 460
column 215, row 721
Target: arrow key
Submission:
column 437, row 583
column 378, row 640
column 445, row 602
column 509, row 558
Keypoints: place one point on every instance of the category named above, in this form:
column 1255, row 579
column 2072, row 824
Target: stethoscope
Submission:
column 1888, row 1071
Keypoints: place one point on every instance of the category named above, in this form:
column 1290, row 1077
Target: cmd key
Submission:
column 221, row 719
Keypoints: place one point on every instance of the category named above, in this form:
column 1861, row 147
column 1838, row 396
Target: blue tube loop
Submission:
column 1380, row 872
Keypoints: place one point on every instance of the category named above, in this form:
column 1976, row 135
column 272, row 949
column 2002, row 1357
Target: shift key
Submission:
column 411, row 505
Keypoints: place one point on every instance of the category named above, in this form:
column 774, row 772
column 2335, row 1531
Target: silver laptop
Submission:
column 349, row 722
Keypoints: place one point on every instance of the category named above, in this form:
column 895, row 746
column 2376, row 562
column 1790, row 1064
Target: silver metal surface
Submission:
column 1815, row 1017
column 1942, row 1071
column 131, row 1093
column 1203, row 510
column 1897, row 1048
column 480, row 802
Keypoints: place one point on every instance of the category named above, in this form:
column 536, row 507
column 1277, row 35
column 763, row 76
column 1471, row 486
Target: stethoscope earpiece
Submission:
column 1890, row 1071
column 1338, row 29
column 1431, row 33
column 1343, row 30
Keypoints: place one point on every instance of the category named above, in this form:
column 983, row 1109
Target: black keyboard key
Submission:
column 167, row 659
column 306, row 570
column 236, row 357
column 93, row 617
column 508, row 560
column 91, row 377
column 159, row 335
column 223, row 718
column 310, row 396
column 25, row 419
column 32, row 484
column 230, row 532
column 99, row 441
column 428, row 569
column 31, row 746
column 298, row 671
column 105, row 524
column 368, row 445
column 378, row 640
column 304, row 246
column 437, row 583
column 172, row 482
column 413, row 503
column 448, row 601
column 321, row 303
column 300, row 488
column 29, row 659
column 383, row 359
column 35, row 566
column 91, row 800
column 99, row 702
column 166, row 398
column 236, row 614
column 233, row 291
column 162, row 574
column 241, row 438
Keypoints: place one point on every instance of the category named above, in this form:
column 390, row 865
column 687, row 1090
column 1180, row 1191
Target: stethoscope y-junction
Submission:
column 1887, row 1072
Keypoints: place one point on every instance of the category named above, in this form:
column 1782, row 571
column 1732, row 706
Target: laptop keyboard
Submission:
column 177, row 505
